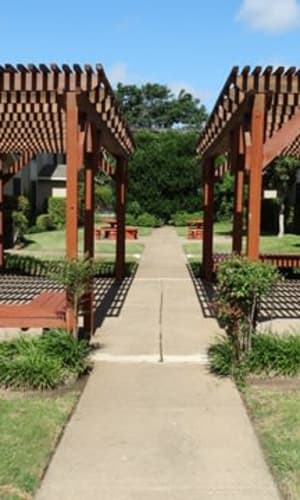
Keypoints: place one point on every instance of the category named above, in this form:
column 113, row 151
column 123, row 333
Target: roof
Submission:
column 32, row 107
column 282, row 88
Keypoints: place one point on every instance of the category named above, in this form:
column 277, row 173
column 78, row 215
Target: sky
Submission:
column 191, row 44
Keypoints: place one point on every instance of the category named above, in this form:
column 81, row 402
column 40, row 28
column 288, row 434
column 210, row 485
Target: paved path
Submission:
column 145, row 430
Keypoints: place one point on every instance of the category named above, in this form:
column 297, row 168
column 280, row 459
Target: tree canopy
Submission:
column 153, row 106
column 164, row 174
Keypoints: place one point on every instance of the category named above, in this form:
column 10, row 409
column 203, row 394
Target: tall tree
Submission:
column 153, row 106
column 164, row 174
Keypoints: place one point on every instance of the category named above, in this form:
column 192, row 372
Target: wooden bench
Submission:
column 49, row 309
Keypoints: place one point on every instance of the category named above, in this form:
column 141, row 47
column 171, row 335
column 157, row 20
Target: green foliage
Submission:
column 76, row 277
column 44, row 222
column 153, row 106
column 181, row 218
column 223, row 197
column 273, row 355
column 164, row 174
column 20, row 223
column 134, row 209
column 147, row 220
column 42, row 362
column 28, row 265
column 104, row 196
column 57, row 212
column 23, row 205
column 241, row 283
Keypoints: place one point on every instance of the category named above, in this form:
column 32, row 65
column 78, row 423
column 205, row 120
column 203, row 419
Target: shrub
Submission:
column 147, row 220
column 134, row 209
column 130, row 220
column 20, row 223
column 57, row 212
column 181, row 218
column 44, row 362
column 44, row 222
column 241, row 283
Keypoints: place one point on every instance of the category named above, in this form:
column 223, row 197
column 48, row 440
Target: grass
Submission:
column 276, row 416
column 29, row 428
column 53, row 242
column 289, row 243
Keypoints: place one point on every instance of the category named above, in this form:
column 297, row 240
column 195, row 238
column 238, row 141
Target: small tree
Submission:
column 76, row 276
column 241, row 285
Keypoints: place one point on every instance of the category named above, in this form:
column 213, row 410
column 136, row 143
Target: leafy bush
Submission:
column 44, row 362
column 20, row 223
column 44, row 222
column 241, row 283
column 57, row 212
column 276, row 355
column 134, row 209
column 181, row 218
column 130, row 220
column 147, row 220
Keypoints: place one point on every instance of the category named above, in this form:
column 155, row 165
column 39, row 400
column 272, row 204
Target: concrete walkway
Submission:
column 145, row 430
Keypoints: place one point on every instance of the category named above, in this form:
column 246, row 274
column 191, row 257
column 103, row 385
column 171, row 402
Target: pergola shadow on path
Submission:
column 255, row 119
column 70, row 110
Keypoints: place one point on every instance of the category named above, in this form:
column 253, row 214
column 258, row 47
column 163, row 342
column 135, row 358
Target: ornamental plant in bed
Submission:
column 241, row 284
column 44, row 362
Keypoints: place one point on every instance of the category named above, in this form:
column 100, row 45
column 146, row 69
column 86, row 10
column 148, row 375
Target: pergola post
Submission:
column 121, row 175
column 89, row 213
column 1, row 218
column 255, row 175
column 207, row 247
column 238, row 167
column 73, row 159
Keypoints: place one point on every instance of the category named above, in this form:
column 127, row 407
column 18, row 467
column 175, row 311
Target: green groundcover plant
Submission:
column 46, row 362
column 271, row 355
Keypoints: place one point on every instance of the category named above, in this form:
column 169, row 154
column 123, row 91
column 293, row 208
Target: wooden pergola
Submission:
column 71, row 110
column 256, row 119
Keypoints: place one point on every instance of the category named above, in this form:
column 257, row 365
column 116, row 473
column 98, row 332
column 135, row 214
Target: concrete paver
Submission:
column 158, row 431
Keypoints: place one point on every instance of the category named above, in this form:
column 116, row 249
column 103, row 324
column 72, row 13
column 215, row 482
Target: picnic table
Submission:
column 195, row 229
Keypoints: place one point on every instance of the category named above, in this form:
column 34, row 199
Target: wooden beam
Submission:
column 121, row 175
column 235, row 120
column 73, row 161
column 238, row 166
column 207, row 247
column 281, row 139
column 255, row 175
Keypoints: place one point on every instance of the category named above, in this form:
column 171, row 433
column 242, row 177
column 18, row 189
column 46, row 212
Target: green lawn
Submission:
column 29, row 429
column 289, row 243
column 52, row 242
column 276, row 416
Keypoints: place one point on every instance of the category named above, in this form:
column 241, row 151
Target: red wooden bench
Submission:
column 47, row 310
